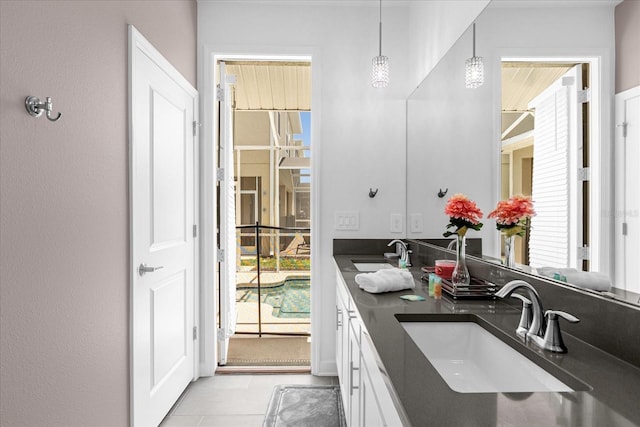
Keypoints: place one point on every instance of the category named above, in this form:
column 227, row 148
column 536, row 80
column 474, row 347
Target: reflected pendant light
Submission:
column 473, row 67
column 380, row 63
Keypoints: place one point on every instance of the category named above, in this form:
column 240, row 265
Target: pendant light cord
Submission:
column 474, row 40
column 380, row 32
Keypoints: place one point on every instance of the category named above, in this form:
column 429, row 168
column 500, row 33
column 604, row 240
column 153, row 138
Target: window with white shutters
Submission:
column 555, row 228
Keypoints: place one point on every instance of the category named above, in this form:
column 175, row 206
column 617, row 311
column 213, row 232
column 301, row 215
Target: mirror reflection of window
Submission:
column 543, row 135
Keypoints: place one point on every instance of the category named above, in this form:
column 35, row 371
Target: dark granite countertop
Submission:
column 610, row 387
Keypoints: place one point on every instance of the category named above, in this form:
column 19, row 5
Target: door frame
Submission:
column 136, row 41
column 208, row 204
column 600, row 128
column 621, row 211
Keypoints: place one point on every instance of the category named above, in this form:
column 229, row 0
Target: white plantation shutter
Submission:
column 228, row 312
column 553, row 238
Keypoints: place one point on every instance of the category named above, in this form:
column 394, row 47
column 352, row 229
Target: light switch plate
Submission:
column 415, row 223
column 396, row 223
column 347, row 220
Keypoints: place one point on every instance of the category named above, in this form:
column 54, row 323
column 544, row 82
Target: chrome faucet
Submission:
column 544, row 332
column 525, row 317
column 536, row 328
column 404, row 251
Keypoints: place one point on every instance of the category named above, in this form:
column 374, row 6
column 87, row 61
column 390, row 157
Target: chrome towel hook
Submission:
column 35, row 107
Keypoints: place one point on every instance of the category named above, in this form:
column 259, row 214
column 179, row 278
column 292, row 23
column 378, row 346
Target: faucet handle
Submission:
column 552, row 336
column 553, row 315
column 525, row 301
column 525, row 318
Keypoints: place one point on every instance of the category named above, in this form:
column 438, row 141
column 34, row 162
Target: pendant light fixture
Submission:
column 380, row 69
column 474, row 68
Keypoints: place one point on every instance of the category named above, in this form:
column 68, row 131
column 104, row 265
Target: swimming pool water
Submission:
column 289, row 300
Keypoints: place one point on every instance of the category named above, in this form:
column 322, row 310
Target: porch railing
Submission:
column 270, row 241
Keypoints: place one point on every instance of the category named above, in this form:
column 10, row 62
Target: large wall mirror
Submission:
column 530, row 129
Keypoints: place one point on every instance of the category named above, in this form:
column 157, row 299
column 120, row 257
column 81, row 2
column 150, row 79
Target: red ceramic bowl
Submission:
column 444, row 268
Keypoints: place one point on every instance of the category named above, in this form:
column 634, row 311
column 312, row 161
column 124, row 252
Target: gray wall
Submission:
column 64, row 218
column 627, row 42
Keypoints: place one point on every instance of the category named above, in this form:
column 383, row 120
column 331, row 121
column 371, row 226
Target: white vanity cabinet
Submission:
column 367, row 402
column 342, row 344
column 348, row 354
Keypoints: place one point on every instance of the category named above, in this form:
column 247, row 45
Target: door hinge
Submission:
column 221, row 334
column 195, row 230
column 220, row 174
column 220, row 253
column 196, row 125
column 195, row 333
column 624, row 228
column 583, row 174
column 623, row 125
column 219, row 93
column 583, row 252
column 584, row 95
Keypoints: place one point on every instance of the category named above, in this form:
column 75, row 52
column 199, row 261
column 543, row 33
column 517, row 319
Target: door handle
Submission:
column 143, row 269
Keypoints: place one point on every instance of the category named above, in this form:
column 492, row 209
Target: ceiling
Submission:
column 521, row 83
column 271, row 85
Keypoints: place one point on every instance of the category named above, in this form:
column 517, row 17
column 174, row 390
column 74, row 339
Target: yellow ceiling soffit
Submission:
column 271, row 85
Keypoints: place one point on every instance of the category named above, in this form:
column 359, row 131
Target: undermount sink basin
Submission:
column 472, row 360
column 371, row 266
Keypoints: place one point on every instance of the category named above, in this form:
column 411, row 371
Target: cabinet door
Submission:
column 371, row 414
column 353, row 415
column 339, row 338
column 379, row 406
column 342, row 346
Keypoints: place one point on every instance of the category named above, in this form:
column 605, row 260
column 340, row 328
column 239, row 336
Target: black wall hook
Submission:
column 372, row 193
column 441, row 193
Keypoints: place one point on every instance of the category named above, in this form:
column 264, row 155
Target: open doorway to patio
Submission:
column 271, row 204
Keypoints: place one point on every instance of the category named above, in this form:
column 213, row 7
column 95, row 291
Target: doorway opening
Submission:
column 547, row 153
column 265, row 196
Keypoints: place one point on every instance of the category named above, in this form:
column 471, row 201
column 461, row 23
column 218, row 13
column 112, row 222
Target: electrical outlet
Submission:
column 415, row 223
column 396, row 223
column 347, row 220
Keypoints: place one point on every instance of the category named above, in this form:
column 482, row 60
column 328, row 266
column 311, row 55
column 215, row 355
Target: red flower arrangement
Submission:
column 511, row 215
column 463, row 214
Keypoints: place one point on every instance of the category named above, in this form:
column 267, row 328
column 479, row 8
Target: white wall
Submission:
column 454, row 132
column 358, row 132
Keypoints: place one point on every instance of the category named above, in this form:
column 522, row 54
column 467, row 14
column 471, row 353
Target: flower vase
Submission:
column 460, row 275
column 510, row 251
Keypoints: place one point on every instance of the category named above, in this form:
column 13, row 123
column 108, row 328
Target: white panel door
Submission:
column 627, row 169
column 163, row 107
column 556, row 229
column 228, row 266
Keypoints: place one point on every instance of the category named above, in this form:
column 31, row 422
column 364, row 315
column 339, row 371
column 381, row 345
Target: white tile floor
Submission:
column 232, row 400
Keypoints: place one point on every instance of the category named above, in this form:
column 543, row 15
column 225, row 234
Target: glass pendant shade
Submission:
column 380, row 63
column 473, row 67
column 380, row 72
column 474, row 72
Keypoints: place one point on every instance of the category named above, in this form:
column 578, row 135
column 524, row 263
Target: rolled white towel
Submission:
column 385, row 280
column 584, row 279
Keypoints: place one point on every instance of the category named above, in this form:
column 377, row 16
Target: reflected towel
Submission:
column 583, row 279
column 385, row 280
